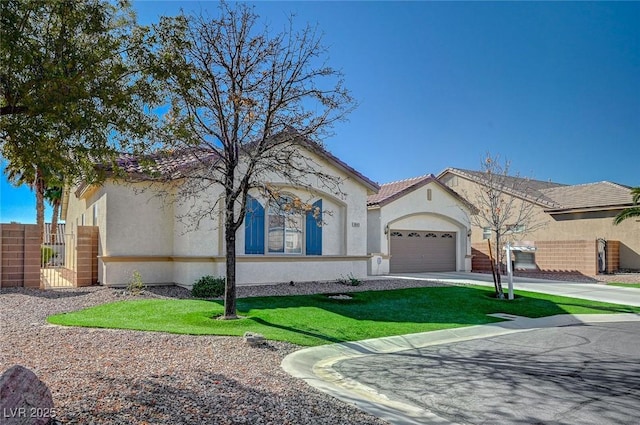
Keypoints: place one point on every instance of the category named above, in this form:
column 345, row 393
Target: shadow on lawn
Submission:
column 298, row 331
column 452, row 304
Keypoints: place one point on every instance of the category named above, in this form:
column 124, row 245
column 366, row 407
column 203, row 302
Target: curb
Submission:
column 315, row 364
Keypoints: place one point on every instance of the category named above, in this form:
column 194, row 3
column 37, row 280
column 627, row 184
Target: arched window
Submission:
column 285, row 227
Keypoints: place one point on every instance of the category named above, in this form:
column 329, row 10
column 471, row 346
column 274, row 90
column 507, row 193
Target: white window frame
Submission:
column 278, row 209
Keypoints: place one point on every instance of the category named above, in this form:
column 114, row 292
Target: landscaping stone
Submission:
column 253, row 339
column 24, row 398
column 340, row 297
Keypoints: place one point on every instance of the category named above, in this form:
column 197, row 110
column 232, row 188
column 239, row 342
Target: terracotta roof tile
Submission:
column 391, row 190
column 164, row 164
column 394, row 190
column 522, row 187
column 591, row 195
column 172, row 165
column 557, row 196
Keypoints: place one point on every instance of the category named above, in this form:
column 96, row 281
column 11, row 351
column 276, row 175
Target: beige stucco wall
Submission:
column 197, row 239
column 413, row 211
column 141, row 232
column 576, row 228
column 319, row 268
column 586, row 226
column 138, row 224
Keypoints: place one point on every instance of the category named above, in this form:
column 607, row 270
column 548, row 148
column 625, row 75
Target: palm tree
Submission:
column 53, row 194
column 633, row 211
column 32, row 176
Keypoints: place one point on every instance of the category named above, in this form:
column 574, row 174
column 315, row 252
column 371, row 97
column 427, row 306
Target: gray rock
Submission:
column 253, row 339
column 24, row 398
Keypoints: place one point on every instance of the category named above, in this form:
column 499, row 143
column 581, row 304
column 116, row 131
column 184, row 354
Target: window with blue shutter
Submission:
column 254, row 227
column 314, row 229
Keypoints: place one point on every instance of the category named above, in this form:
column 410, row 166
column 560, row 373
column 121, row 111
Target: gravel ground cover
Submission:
column 102, row 376
column 129, row 377
column 621, row 278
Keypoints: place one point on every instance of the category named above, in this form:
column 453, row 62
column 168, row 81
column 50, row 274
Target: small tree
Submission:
column 243, row 101
column 505, row 205
column 68, row 91
column 630, row 212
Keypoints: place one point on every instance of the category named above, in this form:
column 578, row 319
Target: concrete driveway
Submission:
column 580, row 369
column 587, row 291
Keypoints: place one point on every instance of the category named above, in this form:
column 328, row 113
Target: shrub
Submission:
column 46, row 252
column 208, row 287
column 136, row 285
column 350, row 280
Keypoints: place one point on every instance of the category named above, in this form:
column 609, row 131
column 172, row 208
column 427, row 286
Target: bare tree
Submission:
column 244, row 101
column 506, row 205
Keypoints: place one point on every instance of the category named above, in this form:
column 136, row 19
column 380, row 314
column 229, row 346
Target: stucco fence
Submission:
column 21, row 258
column 579, row 256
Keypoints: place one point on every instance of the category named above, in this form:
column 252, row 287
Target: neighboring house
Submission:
column 418, row 225
column 143, row 232
column 578, row 233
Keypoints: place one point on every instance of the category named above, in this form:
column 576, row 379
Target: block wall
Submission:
column 579, row 256
column 19, row 255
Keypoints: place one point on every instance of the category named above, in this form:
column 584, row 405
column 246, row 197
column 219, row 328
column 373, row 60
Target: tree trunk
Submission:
column 230, row 287
column 39, row 189
column 230, row 244
column 54, row 221
column 498, row 267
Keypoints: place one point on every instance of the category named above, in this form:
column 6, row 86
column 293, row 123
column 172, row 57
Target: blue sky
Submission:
column 552, row 86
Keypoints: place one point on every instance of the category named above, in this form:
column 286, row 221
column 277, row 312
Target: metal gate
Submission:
column 602, row 256
column 56, row 257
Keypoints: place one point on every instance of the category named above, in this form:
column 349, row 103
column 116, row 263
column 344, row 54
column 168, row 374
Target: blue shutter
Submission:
column 254, row 227
column 314, row 231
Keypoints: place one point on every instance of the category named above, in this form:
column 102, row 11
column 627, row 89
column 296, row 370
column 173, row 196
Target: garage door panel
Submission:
column 422, row 251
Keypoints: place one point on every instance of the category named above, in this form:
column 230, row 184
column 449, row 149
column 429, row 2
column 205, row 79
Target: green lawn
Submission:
column 316, row 319
column 626, row 285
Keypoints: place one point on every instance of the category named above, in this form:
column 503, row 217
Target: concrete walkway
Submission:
column 316, row 365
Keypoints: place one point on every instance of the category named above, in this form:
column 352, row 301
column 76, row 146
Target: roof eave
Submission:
column 338, row 163
column 515, row 194
column 587, row 209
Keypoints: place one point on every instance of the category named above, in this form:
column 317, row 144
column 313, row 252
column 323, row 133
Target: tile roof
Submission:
column 394, row 190
column 530, row 189
column 176, row 164
column 164, row 164
column 315, row 147
column 557, row 196
column 590, row 195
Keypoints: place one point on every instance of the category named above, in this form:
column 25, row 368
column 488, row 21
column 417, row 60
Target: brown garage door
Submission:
column 419, row 251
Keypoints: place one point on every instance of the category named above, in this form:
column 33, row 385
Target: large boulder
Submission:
column 24, row 398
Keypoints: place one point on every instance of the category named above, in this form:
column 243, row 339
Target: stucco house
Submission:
column 577, row 232
column 418, row 225
column 143, row 232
